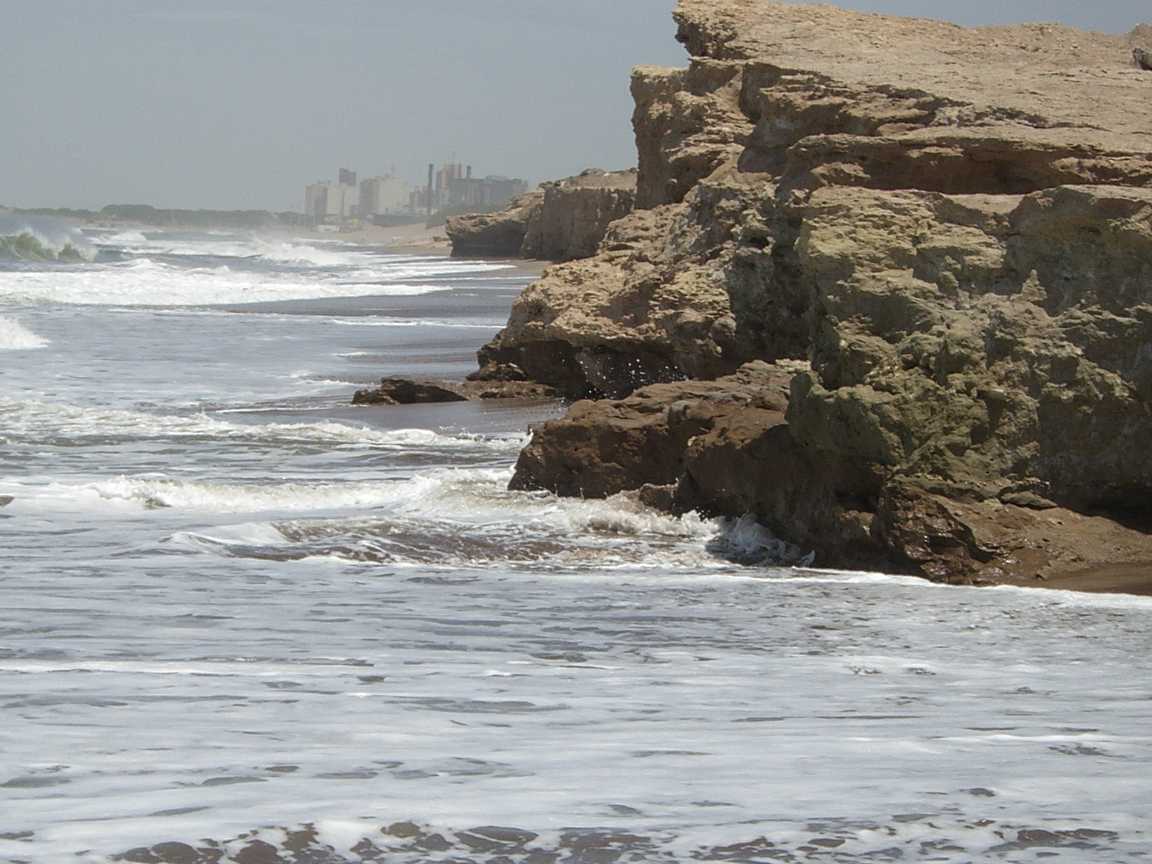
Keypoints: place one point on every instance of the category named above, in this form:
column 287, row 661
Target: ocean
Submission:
column 242, row 620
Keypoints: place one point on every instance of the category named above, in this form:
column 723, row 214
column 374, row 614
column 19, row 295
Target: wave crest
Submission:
column 14, row 336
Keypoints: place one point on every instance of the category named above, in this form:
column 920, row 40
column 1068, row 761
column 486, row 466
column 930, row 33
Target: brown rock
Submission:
column 952, row 228
column 561, row 221
column 601, row 448
column 576, row 213
column 406, row 391
column 494, row 235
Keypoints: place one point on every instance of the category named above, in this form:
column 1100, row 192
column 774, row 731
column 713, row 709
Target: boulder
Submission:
column 407, row 391
column 604, row 447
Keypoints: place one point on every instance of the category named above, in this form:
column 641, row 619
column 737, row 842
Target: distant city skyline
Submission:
column 235, row 104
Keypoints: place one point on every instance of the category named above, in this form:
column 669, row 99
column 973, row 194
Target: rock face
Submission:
column 604, row 447
column 494, row 235
column 576, row 213
column 561, row 221
column 950, row 229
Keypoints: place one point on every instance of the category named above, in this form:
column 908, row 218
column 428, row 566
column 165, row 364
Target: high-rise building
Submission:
column 329, row 202
column 382, row 195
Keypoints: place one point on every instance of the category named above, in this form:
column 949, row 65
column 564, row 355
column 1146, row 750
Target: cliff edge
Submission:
column 942, row 235
column 562, row 220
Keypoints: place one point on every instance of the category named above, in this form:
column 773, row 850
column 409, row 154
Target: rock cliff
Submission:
column 495, row 235
column 949, row 229
column 561, row 221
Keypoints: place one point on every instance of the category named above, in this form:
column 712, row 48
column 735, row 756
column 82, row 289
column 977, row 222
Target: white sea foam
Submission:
column 124, row 239
column 330, row 255
column 14, row 336
column 147, row 283
column 36, row 421
column 408, row 322
column 240, row 498
column 325, row 624
column 51, row 235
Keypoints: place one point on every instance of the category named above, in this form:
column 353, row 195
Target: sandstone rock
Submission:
column 498, row 372
column 561, row 221
column 494, row 235
column 576, row 213
column 950, row 228
column 604, row 447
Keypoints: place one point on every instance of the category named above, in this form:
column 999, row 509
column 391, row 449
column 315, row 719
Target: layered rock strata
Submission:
column 561, row 221
column 950, row 229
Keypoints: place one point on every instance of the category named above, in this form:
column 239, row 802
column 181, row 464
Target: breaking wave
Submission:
column 147, row 283
column 14, row 336
column 53, row 424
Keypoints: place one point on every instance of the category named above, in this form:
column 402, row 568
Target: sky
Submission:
column 237, row 104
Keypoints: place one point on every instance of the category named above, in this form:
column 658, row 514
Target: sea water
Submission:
column 238, row 614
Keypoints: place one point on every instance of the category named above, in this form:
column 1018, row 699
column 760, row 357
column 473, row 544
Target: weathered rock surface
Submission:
column 494, row 235
column 604, row 447
column 950, row 228
column 407, row 391
column 561, row 221
column 576, row 213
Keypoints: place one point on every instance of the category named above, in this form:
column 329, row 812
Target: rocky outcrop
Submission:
column 408, row 391
column 949, row 229
column 495, row 235
column 561, row 221
column 608, row 446
column 576, row 213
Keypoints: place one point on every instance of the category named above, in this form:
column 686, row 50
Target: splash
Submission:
column 14, row 336
column 27, row 246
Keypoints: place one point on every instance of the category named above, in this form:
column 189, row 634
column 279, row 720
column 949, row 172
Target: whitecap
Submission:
column 14, row 336
column 48, row 421
column 144, row 282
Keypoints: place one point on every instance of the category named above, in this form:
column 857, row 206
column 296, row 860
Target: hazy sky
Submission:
column 239, row 103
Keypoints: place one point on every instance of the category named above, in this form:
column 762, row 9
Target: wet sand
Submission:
column 1131, row 578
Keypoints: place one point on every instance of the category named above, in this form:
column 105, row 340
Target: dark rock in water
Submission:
column 406, row 391
column 173, row 853
column 499, row 372
column 507, row 390
column 604, row 447
column 5, row 500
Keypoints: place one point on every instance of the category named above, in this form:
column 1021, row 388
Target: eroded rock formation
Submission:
column 495, row 235
column 950, row 229
column 576, row 213
column 561, row 221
